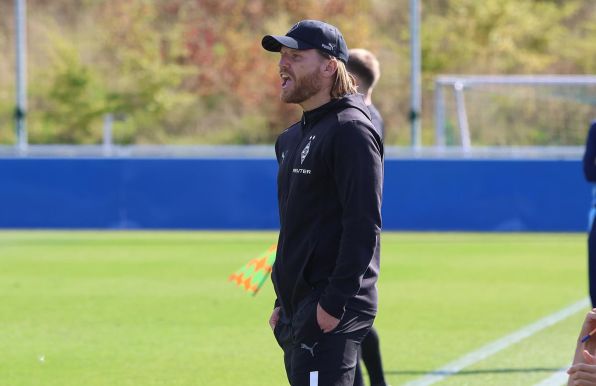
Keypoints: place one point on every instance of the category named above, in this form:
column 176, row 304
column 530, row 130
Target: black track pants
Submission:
column 314, row 358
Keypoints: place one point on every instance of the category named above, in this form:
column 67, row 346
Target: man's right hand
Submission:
column 274, row 318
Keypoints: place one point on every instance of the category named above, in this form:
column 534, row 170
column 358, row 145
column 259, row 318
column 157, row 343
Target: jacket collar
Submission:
column 309, row 118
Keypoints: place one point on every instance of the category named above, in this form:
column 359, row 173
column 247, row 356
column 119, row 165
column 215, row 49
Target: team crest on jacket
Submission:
column 306, row 149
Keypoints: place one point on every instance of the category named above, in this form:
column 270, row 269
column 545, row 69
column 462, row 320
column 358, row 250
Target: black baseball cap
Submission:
column 310, row 34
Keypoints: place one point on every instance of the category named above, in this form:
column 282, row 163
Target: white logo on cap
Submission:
column 328, row 46
column 294, row 27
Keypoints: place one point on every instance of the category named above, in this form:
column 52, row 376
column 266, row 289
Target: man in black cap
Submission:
column 329, row 190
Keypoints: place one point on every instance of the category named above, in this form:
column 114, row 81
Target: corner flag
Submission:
column 252, row 276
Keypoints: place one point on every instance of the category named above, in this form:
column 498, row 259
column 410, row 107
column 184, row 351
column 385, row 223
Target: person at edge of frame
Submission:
column 589, row 164
column 583, row 370
column 329, row 191
column 365, row 68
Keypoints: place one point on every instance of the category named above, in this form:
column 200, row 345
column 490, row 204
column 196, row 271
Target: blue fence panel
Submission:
column 138, row 193
column 203, row 194
column 194, row 193
column 57, row 193
column 485, row 195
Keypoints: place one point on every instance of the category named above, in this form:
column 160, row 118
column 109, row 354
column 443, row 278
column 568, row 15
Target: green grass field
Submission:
column 155, row 308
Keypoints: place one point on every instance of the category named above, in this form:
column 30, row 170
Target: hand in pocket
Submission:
column 325, row 321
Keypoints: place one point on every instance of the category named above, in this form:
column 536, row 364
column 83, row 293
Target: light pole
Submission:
column 21, row 75
column 415, row 69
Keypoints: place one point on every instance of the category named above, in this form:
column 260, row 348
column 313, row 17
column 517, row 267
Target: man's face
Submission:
column 300, row 74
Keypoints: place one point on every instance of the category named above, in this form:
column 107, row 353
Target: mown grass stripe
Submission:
column 498, row 345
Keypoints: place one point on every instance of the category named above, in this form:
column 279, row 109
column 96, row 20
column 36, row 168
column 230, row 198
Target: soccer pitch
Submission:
column 155, row 308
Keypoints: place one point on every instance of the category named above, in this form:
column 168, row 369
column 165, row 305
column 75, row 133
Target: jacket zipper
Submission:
column 289, row 175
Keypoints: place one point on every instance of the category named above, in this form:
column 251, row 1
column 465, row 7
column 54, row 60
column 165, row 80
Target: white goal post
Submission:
column 469, row 89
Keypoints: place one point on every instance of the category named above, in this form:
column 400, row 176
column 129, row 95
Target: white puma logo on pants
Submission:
column 309, row 349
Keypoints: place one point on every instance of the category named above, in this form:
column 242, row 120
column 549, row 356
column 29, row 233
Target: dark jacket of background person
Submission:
column 329, row 191
column 589, row 160
column 589, row 163
column 377, row 121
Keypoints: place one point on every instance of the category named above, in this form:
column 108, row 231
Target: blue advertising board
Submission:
column 240, row 193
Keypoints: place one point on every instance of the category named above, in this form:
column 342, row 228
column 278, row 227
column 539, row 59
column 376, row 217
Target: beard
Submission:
column 302, row 88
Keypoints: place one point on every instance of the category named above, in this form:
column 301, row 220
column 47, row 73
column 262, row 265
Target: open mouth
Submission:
column 285, row 80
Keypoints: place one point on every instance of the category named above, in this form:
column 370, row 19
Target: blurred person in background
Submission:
column 365, row 68
column 583, row 370
column 329, row 191
column 589, row 162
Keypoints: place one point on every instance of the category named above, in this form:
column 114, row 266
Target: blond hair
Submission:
column 344, row 83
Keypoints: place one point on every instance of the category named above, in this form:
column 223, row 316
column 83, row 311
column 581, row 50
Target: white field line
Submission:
column 498, row 345
column 557, row 379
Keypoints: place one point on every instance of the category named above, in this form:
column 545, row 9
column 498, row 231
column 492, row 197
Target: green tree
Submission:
column 68, row 106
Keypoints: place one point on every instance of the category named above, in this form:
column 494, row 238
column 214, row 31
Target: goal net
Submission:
column 516, row 110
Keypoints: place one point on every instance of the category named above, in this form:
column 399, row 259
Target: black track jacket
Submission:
column 329, row 191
